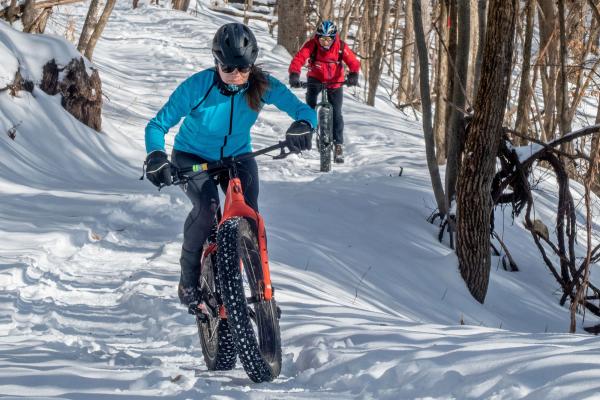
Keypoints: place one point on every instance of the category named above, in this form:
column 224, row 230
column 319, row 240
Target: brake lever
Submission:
column 282, row 154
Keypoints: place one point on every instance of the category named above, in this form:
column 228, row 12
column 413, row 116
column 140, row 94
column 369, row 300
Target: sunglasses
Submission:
column 326, row 38
column 228, row 69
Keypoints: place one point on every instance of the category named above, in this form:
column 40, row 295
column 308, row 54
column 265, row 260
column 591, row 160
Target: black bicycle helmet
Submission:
column 235, row 45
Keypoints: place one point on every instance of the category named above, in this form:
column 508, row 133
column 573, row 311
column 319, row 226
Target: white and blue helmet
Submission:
column 327, row 28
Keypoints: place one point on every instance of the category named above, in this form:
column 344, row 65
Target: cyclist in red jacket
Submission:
column 327, row 54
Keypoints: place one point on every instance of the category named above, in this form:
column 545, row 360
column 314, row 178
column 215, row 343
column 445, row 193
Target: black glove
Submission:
column 299, row 136
column 158, row 168
column 294, row 80
column 352, row 79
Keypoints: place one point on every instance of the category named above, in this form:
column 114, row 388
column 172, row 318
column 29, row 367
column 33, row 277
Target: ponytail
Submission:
column 257, row 86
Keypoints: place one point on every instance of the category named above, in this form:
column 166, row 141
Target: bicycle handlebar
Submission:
column 182, row 175
column 322, row 84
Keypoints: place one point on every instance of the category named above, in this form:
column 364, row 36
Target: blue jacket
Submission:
column 216, row 125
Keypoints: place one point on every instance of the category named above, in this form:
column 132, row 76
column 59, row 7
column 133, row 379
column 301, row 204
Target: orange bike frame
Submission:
column 235, row 206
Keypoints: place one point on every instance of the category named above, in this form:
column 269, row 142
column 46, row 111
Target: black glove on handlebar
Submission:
column 299, row 136
column 352, row 79
column 294, row 80
column 158, row 168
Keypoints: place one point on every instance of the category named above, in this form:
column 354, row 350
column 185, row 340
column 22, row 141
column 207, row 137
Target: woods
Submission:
column 483, row 77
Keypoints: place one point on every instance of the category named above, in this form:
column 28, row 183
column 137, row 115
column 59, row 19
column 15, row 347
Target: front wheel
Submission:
column 254, row 323
column 325, row 138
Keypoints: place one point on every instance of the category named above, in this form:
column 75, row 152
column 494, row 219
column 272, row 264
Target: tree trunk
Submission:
column 34, row 20
column 135, row 3
column 30, row 15
column 548, row 70
column 473, row 50
column 455, row 139
column 291, row 31
column 522, row 123
column 441, row 85
column 474, row 202
column 344, row 19
column 89, row 25
column 181, row 5
column 434, row 173
column 407, row 55
column 481, row 7
column 383, row 16
column 247, row 9
column 81, row 94
column 99, row 28
column 562, row 87
column 326, row 9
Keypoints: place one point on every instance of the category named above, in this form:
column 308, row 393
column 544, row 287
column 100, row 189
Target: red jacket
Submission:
column 326, row 66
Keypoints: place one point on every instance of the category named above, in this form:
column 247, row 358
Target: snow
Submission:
column 373, row 305
column 33, row 51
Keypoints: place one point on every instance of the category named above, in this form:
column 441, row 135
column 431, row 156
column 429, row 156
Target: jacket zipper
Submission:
column 230, row 128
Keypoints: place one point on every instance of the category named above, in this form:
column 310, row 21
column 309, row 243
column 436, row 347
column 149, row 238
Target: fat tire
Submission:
column 219, row 351
column 325, row 138
column 261, row 358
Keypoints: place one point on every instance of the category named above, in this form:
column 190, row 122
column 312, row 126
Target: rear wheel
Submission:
column 216, row 339
column 254, row 323
column 325, row 138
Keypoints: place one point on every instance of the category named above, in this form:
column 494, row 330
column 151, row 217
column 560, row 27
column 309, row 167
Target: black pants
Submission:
column 335, row 98
column 203, row 193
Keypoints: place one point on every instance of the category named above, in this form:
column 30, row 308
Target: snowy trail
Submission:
column 371, row 309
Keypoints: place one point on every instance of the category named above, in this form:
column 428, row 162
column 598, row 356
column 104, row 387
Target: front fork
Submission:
column 235, row 206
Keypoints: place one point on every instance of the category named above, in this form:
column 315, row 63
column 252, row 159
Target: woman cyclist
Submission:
column 219, row 106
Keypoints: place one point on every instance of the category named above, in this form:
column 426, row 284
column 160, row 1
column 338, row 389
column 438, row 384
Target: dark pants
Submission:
column 335, row 98
column 203, row 193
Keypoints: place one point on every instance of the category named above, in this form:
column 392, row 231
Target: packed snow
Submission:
column 373, row 306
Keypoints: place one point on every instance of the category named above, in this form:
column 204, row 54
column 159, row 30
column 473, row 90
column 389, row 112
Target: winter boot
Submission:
column 338, row 154
column 190, row 274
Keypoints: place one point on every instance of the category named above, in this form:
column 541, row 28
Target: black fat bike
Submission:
column 324, row 135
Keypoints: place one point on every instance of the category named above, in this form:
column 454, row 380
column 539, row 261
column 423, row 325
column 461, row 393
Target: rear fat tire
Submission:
column 216, row 339
column 261, row 358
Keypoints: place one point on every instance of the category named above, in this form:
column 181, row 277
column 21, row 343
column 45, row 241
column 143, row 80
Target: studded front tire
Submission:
column 325, row 138
column 254, row 324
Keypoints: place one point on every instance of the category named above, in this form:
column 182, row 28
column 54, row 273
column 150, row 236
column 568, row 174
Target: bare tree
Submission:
column 326, row 9
column 406, row 55
column 247, row 9
column 473, row 49
column 181, row 5
column 441, row 83
column 291, row 31
column 481, row 7
column 34, row 20
column 455, row 139
column 522, row 123
column 89, row 25
column 99, row 28
column 474, row 200
column 548, row 67
column 434, row 173
column 562, row 87
column 376, row 61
